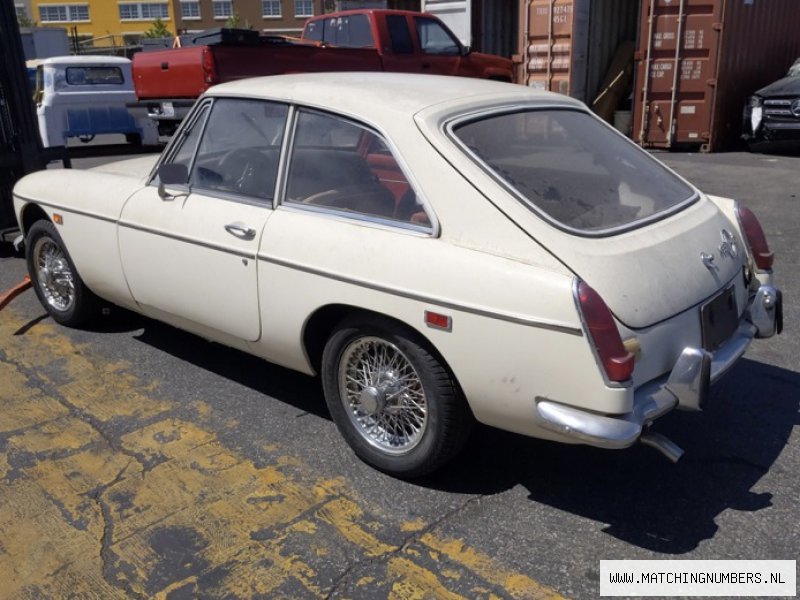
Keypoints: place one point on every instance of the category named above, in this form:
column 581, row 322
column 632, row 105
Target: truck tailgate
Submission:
column 174, row 73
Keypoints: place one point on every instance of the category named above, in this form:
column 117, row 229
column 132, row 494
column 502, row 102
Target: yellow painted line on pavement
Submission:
column 168, row 510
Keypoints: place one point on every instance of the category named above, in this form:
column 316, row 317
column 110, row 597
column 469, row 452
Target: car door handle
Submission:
column 240, row 231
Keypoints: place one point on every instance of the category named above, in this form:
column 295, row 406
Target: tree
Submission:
column 158, row 30
column 24, row 21
column 235, row 22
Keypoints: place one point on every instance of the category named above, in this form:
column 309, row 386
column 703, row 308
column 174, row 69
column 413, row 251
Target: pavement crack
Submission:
column 49, row 389
column 418, row 535
column 400, row 549
column 108, row 558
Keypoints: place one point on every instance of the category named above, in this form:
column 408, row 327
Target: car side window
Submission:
column 189, row 137
column 400, row 34
column 435, row 39
column 239, row 148
column 348, row 168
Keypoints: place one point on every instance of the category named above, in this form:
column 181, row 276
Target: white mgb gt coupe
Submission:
column 439, row 250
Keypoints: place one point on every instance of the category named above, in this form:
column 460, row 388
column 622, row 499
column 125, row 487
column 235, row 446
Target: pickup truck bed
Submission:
column 167, row 82
column 185, row 73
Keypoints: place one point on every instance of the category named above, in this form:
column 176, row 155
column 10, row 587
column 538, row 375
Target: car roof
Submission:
column 376, row 94
column 85, row 59
column 364, row 11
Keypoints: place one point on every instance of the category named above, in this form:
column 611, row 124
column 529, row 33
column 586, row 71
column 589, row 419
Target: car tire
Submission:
column 395, row 404
column 55, row 279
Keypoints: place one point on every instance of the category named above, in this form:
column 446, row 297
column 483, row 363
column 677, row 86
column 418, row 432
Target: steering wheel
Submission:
column 238, row 168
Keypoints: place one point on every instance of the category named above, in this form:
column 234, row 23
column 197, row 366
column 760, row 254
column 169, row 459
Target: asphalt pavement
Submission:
column 140, row 461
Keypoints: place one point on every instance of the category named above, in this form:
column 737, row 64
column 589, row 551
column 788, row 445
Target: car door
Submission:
column 437, row 51
column 189, row 251
column 441, row 51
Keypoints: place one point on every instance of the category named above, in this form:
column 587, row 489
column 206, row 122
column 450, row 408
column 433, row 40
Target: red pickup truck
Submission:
column 167, row 82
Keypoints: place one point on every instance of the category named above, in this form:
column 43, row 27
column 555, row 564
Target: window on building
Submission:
column 190, row 10
column 223, row 9
column 63, row 13
column 271, row 8
column 21, row 12
column 303, row 8
column 79, row 13
column 53, row 14
column 155, row 11
column 143, row 11
column 128, row 11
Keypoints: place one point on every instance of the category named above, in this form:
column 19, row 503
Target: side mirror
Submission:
column 171, row 174
column 465, row 50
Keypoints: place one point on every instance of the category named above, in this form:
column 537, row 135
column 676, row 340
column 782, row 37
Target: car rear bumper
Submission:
column 686, row 386
column 164, row 110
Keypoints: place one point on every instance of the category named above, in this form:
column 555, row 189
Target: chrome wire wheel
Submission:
column 54, row 274
column 383, row 395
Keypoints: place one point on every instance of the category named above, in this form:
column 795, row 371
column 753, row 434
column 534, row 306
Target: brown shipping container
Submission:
column 694, row 93
column 567, row 46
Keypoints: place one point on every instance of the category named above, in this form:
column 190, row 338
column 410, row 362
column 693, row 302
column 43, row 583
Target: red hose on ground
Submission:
column 14, row 291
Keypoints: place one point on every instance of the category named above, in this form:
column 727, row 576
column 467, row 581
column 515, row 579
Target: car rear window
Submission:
column 572, row 169
column 351, row 31
column 94, row 76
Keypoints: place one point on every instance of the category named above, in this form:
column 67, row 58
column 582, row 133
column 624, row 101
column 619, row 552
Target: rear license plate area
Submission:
column 719, row 319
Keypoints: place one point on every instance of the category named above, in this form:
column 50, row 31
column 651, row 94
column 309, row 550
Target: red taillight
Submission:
column 756, row 239
column 209, row 72
column 617, row 362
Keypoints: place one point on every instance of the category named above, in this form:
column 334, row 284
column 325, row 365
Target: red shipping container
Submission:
column 694, row 92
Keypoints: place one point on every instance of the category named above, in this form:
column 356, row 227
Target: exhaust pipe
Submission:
column 663, row 444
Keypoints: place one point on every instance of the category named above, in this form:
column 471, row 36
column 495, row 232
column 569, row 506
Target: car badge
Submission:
column 796, row 107
column 708, row 261
column 728, row 246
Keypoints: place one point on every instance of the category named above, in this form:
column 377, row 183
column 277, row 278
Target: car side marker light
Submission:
column 438, row 321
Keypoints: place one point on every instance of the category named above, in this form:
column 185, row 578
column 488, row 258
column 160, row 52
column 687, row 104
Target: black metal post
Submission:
column 20, row 145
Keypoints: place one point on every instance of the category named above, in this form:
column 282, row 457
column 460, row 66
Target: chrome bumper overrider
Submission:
column 686, row 387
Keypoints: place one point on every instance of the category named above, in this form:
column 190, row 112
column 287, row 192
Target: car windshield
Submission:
column 572, row 169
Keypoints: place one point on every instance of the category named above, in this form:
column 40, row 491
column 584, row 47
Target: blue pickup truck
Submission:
column 85, row 96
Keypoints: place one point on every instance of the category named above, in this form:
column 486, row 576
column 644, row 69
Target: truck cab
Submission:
column 85, row 96
column 406, row 41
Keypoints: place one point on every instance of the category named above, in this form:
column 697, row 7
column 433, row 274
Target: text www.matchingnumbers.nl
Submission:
column 672, row 578
column 727, row 578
